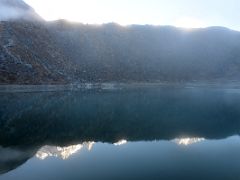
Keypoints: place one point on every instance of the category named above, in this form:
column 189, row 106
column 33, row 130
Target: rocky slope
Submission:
column 33, row 51
column 29, row 55
column 150, row 53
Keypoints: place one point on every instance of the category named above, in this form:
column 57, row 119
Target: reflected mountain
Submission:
column 30, row 121
column 65, row 118
column 62, row 152
column 11, row 158
column 188, row 141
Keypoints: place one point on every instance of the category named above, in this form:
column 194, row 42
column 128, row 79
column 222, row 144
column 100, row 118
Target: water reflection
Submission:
column 188, row 141
column 65, row 152
column 11, row 158
column 62, row 152
column 63, row 124
column 121, row 142
column 208, row 159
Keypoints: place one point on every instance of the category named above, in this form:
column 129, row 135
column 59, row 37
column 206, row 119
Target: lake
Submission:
column 155, row 132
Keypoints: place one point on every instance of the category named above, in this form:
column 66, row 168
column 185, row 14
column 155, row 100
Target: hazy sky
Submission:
column 185, row 13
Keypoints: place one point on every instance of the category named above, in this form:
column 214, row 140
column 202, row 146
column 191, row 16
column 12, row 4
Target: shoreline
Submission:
column 111, row 86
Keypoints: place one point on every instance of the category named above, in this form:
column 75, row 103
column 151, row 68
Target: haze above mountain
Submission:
column 33, row 51
column 16, row 9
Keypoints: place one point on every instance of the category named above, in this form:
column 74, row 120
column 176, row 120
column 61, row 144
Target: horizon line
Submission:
column 138, row 24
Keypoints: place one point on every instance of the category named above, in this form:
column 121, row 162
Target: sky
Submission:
column 180, row 13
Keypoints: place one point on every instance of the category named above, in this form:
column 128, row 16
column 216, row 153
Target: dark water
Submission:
column 137, row 133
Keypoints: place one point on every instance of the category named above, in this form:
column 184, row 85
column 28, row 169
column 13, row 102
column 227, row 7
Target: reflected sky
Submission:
column 66, row 152
column 143, row 133
column 62, row 152
column 209, row 159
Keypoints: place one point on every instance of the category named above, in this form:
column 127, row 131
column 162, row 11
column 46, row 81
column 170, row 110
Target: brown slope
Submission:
column 29, row 55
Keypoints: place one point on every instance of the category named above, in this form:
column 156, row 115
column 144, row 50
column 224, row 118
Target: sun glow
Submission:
column 62, row 152
column 181, row 13
column 66, row 152
column 94, row 12
column 87, row 12
column 121, row 142
column 187, row 22
column 188, row 141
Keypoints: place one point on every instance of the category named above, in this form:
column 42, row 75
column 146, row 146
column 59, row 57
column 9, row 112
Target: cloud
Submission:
column 18, row 9
column 9, row 12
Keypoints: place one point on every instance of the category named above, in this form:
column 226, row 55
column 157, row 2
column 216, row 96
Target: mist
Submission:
column 9, row 12
column 154, row 94
column 16, row 10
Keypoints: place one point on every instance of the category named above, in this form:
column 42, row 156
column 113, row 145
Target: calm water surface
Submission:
column 134, row 133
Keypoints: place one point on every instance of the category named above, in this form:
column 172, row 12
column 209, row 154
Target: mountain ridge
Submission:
column 62, row 52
